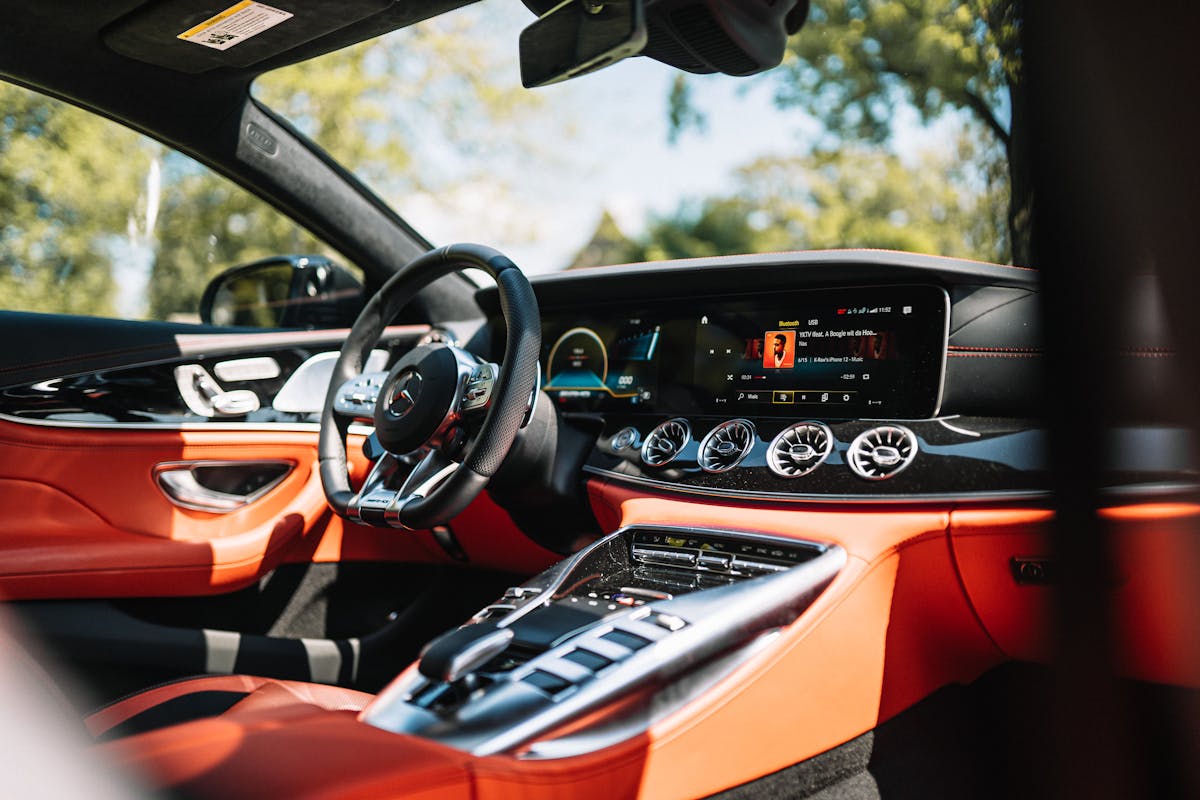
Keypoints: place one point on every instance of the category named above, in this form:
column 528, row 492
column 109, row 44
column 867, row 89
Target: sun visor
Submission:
column 200, row 35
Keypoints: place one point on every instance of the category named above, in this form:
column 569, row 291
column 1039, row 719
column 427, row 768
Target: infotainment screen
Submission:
column 838, row 353
column 862, row 352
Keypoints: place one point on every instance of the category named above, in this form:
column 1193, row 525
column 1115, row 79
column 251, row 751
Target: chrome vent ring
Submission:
column 799, row 449
column 726, row 445
column 882, row 452
column 666, row 442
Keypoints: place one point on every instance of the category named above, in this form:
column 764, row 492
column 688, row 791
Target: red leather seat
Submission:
column 215, row 695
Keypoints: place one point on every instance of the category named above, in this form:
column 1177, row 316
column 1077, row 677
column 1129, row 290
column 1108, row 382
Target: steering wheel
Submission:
column 443, row 413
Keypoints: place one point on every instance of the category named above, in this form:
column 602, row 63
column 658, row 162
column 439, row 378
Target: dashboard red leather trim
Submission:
column 1155, row 596
column 84, row 517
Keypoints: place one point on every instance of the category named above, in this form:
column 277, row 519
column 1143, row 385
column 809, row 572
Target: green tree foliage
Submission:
column 80, row 195
column 858, row 62
column 858, row 65
column 855, row 196
column 65, row 184
column 83, row 201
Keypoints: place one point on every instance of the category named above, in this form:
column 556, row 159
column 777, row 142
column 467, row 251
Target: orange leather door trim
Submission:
column 85, row 518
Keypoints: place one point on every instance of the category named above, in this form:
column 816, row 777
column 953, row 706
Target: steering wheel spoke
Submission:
column 358, row 396
column 430, row 471
column 380, row 504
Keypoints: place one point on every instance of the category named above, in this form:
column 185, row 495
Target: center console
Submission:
column 643, row 609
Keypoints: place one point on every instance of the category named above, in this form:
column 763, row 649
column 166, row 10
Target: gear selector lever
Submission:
column 454, row 655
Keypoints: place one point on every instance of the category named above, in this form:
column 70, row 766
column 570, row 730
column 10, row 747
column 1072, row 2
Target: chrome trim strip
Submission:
column 818, row 498
column 955, row 429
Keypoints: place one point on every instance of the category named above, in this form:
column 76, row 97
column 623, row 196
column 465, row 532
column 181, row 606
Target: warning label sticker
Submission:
column 235, row 25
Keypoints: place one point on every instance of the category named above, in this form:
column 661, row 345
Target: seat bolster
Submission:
column 214, row 695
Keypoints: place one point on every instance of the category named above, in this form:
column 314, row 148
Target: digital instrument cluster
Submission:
column 862, row 352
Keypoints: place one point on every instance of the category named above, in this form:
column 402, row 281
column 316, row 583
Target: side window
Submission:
column 98, row 220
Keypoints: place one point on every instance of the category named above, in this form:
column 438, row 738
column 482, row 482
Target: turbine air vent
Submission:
column 882, row 452
column 666, row 442
column 726, row 445
column 799, row 449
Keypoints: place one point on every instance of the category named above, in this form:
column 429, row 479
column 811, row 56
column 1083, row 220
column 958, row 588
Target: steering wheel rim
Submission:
column 445, row 491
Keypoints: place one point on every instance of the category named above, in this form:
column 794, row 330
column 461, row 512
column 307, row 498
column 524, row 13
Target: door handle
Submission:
column 219, row 487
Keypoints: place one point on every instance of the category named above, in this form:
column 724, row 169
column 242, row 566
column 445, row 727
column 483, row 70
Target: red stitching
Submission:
column 994, row 355
column 996, row 349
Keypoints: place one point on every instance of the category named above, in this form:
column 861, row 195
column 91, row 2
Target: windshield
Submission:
column 888, row 125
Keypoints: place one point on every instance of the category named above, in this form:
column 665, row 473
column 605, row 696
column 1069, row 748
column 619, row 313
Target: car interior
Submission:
column 831, row 523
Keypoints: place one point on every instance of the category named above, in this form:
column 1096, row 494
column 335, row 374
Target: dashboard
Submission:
column 811, row 377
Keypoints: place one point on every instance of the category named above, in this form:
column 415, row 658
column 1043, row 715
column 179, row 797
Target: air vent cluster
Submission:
column 799, row 449
column 726, row 445
column 666, row 442
column 882, row 452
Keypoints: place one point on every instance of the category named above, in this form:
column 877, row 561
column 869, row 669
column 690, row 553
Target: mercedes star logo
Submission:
column 404, row 394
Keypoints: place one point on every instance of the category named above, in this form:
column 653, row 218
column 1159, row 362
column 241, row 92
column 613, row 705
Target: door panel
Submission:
column 87, row 518
column 83, row 456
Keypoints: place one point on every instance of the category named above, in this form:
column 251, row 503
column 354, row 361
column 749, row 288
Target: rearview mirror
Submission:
column 283, row 292
column 579, row 36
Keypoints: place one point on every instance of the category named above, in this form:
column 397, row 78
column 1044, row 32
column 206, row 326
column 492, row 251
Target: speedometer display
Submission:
column 588, row 367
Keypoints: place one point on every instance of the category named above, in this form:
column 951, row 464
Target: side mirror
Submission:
column 283, row 292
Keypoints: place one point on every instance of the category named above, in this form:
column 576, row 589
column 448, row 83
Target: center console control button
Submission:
column 665, row 556
column 587, row 658
column 717, row 561
column 650, row 594
column 668, row 621
column 626, row 640
column 567, row 670
column 753, row 567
